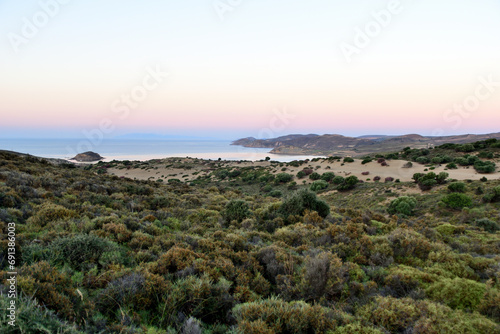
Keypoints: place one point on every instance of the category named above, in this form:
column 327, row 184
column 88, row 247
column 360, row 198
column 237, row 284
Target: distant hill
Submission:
column 334, row 144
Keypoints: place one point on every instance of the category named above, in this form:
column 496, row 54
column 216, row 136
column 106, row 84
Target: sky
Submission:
column 238, row 68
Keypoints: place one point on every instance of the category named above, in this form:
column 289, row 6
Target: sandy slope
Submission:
column 394, row 170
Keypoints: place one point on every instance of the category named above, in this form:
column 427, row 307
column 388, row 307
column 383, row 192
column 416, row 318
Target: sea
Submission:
column 143, row 150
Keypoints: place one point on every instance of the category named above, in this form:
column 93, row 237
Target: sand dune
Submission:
column 159, row 169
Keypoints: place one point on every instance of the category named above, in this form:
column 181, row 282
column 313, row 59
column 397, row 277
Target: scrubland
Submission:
column 262, row 247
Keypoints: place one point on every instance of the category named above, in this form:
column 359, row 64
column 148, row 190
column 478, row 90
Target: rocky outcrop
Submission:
column 87, row 157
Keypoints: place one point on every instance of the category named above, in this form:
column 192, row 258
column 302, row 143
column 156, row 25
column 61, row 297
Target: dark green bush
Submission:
column 236, row 210
column 315, row 176
column 302, row 200
column 301, row 174
column 403, row 205
column 283, row 178
column 319, row 185
column 328, row 176
column 452, row 165
column 487, row 225
column 457, row 201
column 484, row 167
column 349, row 183
column 457, row 187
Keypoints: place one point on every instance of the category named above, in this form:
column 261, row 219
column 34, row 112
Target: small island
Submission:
column 87, row 157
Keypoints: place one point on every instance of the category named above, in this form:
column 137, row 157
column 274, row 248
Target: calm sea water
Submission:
column 141, row 149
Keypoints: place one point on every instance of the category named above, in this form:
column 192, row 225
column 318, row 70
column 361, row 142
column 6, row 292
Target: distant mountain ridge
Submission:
column 329, row 144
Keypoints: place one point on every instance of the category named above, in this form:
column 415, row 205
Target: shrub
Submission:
column 301, row 174
column 466, row 148
column 366, row 160
column 319, row 185
column 436, row 160
column 409, row 164
column 328, row 176
column 422, row 160
column 349, row 183
column 441, row 177
column 348, row 159
column 457, row 293
column 392, row 156
column 407, row 315
column 484, row 167
column 80, row 251
column 283, row 178
column 277, row 316
column 487, row 225
column 452, row 165
column 457, row 187
column 315, row 176
column 457, row 201
column 338, row 180
column 276, row 193
column 365, row 173
column 376, row 178
column 389, row 179
column 403, row 205
column 49, row 212
column 32, row 318
column 462, row 161
column 493, row 196
column 303, row 200
column 50, row 287
column 308, row 171
column 236, row 210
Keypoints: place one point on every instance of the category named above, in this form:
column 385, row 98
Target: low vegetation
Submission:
column 245, row 250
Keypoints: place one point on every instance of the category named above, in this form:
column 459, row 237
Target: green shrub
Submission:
column 348, row 159
column 277, row 316
column 32, row 318
column 283, row 178
column 80, row 251
column 349, row 183
column 457, row 187
column 441, row 177
column 466, row 148
column 484, row 167
column 315, row 176
column 301, row 174
column 422, row 160
column 457, row 293
column 407, row 315
column 437, row 160
column 457, row 201
column 338, row 180
column 319, row 185
column 302, row 200
column 357, row 328
column 276, row 193
column 236, row 210
column 452, row 165
column 487, row 225
column 485, row 155
column 493, row 195
column 328, row 176
column 403, row 205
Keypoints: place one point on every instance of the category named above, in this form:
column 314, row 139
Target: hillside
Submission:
column 353, row 146
column 237, row 248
